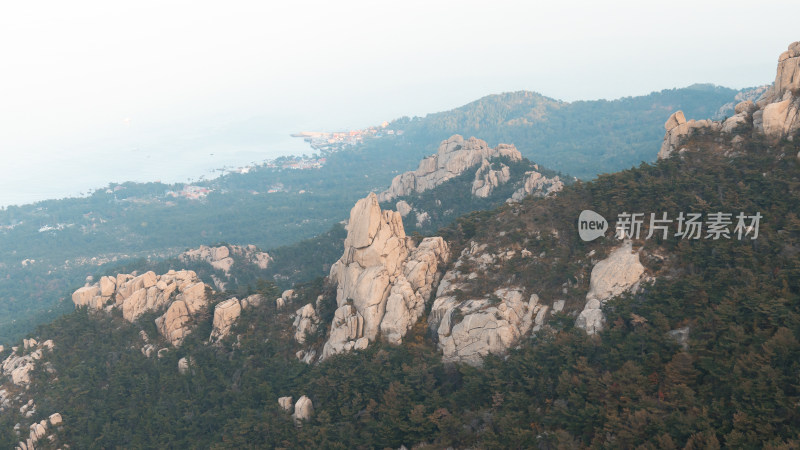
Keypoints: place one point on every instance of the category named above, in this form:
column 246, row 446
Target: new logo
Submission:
column 591, row 225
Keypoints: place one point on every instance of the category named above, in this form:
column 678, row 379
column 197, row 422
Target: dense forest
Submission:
column 733, row 383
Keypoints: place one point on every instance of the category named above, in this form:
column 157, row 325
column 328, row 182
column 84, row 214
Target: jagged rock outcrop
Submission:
column 729, row 108
column 305, row 323
column 39, row 430
column 411, row 291
column 380, row 262
column 222, row 257
column 303, row 409
column 18, row 367
column 455, row 156
column 468, row 330
column 536, row 184
column 776, row 114
column 620, row 272
column 469, row 327
column 181, row 292
column 487, row 178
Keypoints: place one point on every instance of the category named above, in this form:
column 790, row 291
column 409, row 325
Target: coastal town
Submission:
column 331, row 141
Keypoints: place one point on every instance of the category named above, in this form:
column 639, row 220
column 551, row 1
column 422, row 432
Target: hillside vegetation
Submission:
column 734, row 384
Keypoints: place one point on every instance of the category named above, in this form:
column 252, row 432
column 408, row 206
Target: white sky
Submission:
column 75, row 76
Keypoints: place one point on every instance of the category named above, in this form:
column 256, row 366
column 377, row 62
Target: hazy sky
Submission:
column 81, row 80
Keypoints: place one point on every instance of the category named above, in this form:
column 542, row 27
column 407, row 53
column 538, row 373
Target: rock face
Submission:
column 181, row 292
column 776, row 114
column 536, row 184
column 403, row 208
column 222, row 257
column 305, row 323
column 487, row 178
column 468, row 330
column 469, row 327
column 379, row 263
column 225, row 315
column 455, row 156
column 620, row 272
column 303, row 409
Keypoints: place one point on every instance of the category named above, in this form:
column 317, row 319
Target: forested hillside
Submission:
column 732, row 383
column 50, row 247
column 583, row 138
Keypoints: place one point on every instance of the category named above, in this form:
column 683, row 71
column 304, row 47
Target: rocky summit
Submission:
column 180, row 292
column 455, row 156
column 776, row 114
column 383, row 279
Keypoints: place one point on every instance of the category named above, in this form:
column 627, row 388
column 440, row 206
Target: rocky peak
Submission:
column 776, row 114
column 379, row 262
column 454, row 157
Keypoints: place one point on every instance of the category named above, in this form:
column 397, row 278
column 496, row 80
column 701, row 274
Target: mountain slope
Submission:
column 583, row 138
column 704, row 352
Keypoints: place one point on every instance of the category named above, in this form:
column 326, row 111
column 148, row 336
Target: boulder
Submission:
column 676, row 119
column 55, row 419
column 305, row 323
column 107, row 286
column 225, row 315
column 288, row 295
column 84, row 295
column 183, row 365
column 285, row 403
column 303, row 409
column 620, row 272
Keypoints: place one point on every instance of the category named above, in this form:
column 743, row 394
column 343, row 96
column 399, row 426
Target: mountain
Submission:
column 583, row 138
column 56, row 244
column 512, row 327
